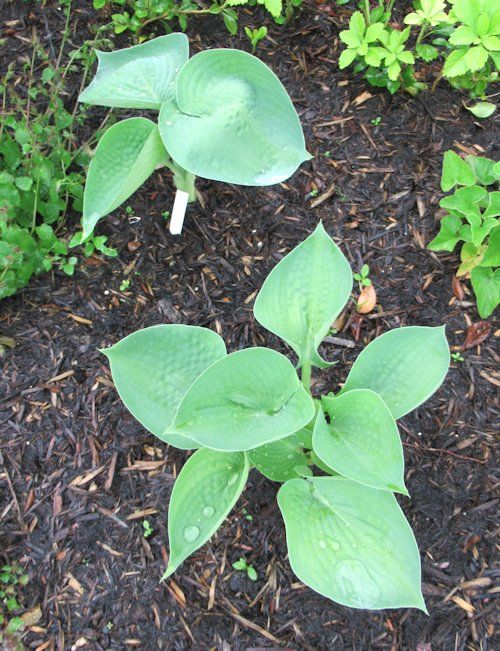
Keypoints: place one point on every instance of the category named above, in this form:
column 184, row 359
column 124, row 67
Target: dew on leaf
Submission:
column 191, row 533
column 208, row 511
column 232, row 479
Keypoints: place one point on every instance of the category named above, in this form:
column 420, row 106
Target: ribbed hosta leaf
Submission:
column 142, row 76
column 244, row 400
column 360, row 440
column 277, row 460
column 127, row 154
column 234, row 121
column 205, row 491
column 153, row 368
column 351, row 543
column 304, row 294
column 404, row 366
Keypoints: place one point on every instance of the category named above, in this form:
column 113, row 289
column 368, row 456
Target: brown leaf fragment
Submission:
column 367, row 299
column 476, row 334
column 457, row 288
column 32, row 616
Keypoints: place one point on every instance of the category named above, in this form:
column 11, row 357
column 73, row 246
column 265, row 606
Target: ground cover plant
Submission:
column 41, row 174
column 347, row 537
column 223, row 115
column 463, row 33
column 135, row 15
column 472, row 217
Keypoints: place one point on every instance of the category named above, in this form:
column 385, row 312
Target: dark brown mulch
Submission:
column 78, row 475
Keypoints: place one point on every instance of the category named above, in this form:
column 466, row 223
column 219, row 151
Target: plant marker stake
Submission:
column 178, row 212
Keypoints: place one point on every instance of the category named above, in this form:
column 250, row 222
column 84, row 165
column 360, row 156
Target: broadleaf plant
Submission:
column 473, row 217
column 347, row 537
column 223, row 115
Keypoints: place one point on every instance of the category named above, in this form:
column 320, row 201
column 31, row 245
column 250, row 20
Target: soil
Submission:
column 79, row 475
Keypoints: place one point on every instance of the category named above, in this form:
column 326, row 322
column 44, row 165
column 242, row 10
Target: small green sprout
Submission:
column 457, row 357
column 242, row 566
column 247, row 515
column 147, row 529
column 362, row 278
column 124, row 285
column 12, row 579
column 376, row 121
column 255, row 35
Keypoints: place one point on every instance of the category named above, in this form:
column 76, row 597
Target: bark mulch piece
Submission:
column 78, row 475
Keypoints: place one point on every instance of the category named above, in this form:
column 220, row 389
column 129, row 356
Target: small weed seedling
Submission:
column 223, row 115
column 362, row 277
column 242, row 566
column 347, row 537
column 147, row 530
column 472, row 217
column 457, row 357
column 256, row 35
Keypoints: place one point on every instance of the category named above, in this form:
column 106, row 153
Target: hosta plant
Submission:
column 347, row 536
column 473, row 218
column 223, row 115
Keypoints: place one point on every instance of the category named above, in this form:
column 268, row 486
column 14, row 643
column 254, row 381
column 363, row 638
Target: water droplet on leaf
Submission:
column 191, row 533
column 208, row 511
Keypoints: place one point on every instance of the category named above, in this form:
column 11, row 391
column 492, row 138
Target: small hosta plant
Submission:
column 223, row 115
column 347, row 536
column 473, row 218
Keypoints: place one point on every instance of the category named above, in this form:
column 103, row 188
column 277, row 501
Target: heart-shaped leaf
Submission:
column 404, row 366
column 361, row 440
column 244, row 400
column 233, row 122
column 206, row 489
column 455, row 172
column 277, row 460
column 304, row 294
column 153, row 368
column 142, row 76
column 127, row 154
column 351, row 543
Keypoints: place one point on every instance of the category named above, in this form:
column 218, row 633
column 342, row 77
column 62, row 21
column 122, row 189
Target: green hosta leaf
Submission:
column 351, row 543
column 206, row 489
column 142, row 76
column 361, row 441
column 486, row 285
column 404, row 366
column 153, row 368
column 304, row 294
column 277, row 460
column 127, row 154
column 244, row 400
column 455, row 172
column 482, row 110
column 234, row 122
column 448, row 235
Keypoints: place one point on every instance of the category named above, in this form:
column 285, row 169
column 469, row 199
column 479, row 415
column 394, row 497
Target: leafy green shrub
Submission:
column 140, row 13
column 41, row 176
column 224, row 116
column 472, row 217
column 467, row 38
column 347, row 537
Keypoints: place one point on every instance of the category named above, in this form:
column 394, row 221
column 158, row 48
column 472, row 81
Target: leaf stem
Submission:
column 305, row 376
column 366, row 12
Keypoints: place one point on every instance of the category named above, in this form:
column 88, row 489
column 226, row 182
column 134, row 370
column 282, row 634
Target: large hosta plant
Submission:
column 223, row 115
column 347, row 536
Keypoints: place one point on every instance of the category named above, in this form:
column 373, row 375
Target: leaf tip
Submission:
column 170, row 570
